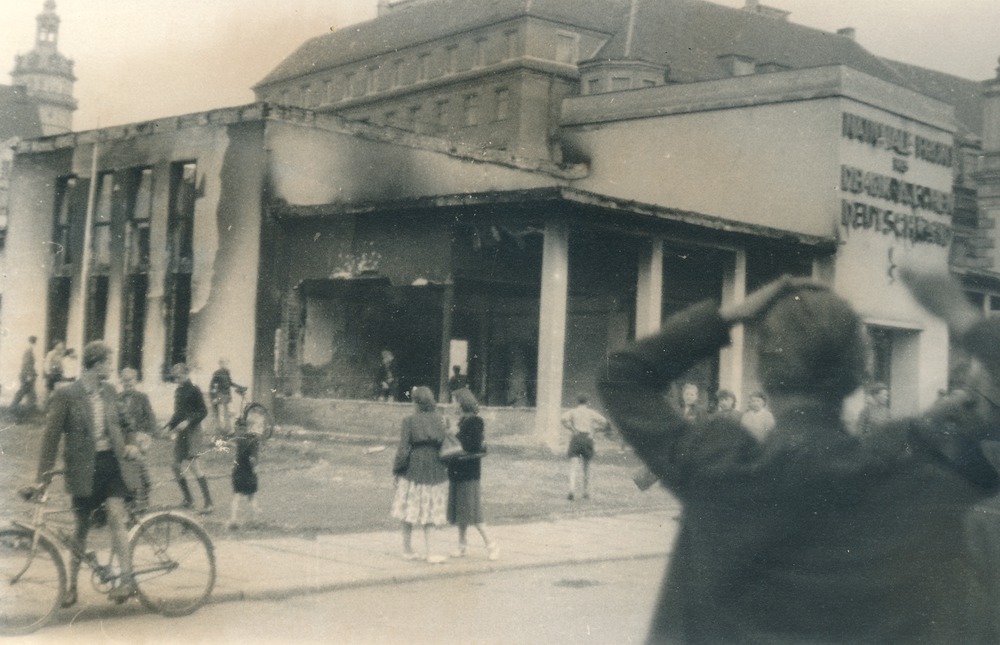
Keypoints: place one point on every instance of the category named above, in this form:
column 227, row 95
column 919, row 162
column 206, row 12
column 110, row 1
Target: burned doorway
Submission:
column 345, row 324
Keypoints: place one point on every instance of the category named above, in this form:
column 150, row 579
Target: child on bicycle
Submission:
column 246, row 448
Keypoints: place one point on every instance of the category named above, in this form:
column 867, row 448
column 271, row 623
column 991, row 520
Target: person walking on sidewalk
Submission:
column 464, row 474
column 814, row 535
column 96, row 444
column 582, row 422
column 28, row 378
column 185, row 426
column 139, row 413
column 421, row 476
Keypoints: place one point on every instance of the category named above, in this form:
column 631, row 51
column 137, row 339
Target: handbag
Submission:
column 450, row 447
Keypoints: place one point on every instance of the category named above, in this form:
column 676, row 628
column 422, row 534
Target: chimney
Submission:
column 847, row 32
column 754, row 6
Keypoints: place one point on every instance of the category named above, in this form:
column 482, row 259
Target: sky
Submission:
column 143, row 59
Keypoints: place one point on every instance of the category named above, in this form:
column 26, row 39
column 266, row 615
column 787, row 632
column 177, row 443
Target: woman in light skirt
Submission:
column 421, row 476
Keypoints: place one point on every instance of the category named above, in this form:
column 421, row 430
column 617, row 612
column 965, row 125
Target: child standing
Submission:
column 246, row 446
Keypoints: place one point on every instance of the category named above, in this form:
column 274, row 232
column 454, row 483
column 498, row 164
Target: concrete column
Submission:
column 649, row 290
column 552, row 333
column 734, row 289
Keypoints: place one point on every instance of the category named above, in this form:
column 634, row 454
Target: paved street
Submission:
column 601, row 603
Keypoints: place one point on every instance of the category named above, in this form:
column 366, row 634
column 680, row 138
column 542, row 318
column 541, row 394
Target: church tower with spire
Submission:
column 47, row 75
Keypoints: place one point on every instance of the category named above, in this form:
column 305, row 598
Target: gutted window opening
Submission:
column 178, row 319
column 57, row 319
column 139, row 205
column 67, row 210
column 100, row 246
column 180, row 227
column 133, row 322
column 97, row 308
column 180, row 236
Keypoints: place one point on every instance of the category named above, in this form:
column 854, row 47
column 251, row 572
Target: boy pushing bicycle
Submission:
column 97, row 443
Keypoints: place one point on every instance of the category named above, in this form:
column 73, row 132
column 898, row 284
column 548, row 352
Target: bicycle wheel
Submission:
column 31, row 581
column 258, row 421
column 173, row 562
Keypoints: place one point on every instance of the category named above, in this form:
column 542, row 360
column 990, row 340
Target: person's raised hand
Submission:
column 756, row 304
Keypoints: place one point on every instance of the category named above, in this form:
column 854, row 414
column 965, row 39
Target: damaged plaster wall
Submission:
column 312, row 166
column 226, row 239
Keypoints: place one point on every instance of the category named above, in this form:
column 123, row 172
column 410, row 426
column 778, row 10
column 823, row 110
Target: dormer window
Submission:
column 737, row 65
column 567, row 47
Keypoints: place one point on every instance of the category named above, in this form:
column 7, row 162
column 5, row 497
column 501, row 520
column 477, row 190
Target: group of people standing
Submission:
column 757, row 418
column 105, row 436
column 59, row 365
column 431, row 491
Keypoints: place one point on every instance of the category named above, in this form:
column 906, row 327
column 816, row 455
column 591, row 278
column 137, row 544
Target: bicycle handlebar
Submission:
column 36, row 491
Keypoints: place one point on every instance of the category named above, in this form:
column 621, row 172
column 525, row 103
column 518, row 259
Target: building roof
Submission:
column 690, row 36
column 430, row 21
column 963, row 94
column 18, row 114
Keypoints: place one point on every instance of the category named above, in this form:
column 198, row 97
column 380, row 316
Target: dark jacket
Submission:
column 138, row 411
column 189, row 405
column 221, row 386
column 70, row 417
column 28, row 371
column 470, row 435
column 811, row 535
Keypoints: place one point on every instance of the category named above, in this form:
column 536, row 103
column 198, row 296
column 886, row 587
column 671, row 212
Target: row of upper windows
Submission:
column 616, row 83
column 442, row 61
column 476, row 109
column 453, row 58
column 129, row 192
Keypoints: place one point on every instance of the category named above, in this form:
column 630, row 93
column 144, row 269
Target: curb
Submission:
column 434, row 572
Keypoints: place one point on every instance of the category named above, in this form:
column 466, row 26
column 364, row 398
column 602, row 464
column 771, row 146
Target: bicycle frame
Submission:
column 39, row 528
column 173, row 560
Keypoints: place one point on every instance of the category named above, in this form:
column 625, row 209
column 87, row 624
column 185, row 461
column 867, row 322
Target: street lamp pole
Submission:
column 87, row 234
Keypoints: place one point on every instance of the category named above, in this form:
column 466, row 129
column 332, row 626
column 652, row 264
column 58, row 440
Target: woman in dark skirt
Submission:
column 464, row 508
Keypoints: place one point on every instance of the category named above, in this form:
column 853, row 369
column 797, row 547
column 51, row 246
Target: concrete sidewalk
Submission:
column 284, row 567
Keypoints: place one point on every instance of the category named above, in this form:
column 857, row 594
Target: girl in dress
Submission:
column 421, row 476
column 464, row 508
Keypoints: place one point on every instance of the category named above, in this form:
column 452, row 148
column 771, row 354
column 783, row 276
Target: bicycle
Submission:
column 173, row 562
column 254, row 416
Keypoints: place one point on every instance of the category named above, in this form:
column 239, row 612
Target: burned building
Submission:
column 517, row 189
